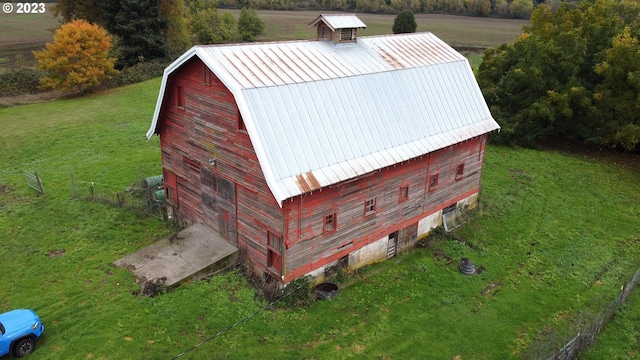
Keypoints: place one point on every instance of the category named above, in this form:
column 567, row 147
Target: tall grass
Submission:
column 556, row 233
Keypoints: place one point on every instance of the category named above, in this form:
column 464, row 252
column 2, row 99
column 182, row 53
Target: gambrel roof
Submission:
column 320, row 113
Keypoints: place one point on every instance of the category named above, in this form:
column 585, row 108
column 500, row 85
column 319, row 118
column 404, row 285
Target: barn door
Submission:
column 392, row 245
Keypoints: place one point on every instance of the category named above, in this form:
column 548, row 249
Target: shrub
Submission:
column 298, row 293
column 20, row 82
column 137, row 73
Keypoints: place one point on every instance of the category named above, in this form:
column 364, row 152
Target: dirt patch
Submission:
column 491, row 289
column 150, row 287
column 56, row 253
column 5, row 189
column 628, row 160
column 440, row 255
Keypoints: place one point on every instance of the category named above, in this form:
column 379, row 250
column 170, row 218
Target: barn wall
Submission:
column 309, row 248
column 219, row 179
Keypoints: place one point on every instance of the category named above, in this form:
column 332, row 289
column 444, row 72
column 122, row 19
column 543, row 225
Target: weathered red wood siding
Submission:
column 308, row 248
column 231, row 196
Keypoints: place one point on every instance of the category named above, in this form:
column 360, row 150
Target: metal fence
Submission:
column 587, row 336
column 33, row 180
column 137, row 197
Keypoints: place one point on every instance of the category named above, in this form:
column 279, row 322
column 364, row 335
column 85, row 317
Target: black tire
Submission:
column 24, row 347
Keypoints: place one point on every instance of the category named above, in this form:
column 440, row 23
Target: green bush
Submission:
column 136, row 73
column 298, row 293
column 20, row 82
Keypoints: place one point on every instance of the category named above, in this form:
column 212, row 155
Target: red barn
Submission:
column 311, row 153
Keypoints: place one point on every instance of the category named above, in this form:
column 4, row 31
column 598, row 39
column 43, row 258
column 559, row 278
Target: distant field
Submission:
column 458, row 31
column 20, row 34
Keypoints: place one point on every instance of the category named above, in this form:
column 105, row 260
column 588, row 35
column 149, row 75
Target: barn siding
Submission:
column 231, row 196
column 310, row 248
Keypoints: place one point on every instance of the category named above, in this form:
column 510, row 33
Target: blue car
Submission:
column 19, row 330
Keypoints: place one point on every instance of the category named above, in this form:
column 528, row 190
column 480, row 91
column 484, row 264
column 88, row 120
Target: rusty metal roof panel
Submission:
column 319, row 114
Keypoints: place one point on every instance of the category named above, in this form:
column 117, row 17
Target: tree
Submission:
column 573, row 74
column 176, row 33
column 207, row 26
column 70, row 10
column 405, row 22
column 480, row 7
column 249, row 24
column 520, row 9
column 78, row 58
column 228, row 28
column 618, row 96
column 139, row 27
column 501, row 8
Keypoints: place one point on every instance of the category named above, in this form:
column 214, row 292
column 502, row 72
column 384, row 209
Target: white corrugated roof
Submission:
column 319, row 113
column 339, row 21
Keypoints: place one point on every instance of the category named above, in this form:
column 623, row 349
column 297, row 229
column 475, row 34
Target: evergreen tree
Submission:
column 139, row 28
column 405, row 22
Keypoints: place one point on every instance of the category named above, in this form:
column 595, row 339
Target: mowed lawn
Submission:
column 557, row 234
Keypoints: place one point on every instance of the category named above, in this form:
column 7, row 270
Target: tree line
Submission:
column 573, row 74
column 520, row 9
column 100, row 37
column 155, row 29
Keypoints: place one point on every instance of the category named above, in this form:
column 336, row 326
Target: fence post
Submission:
column 39, row 183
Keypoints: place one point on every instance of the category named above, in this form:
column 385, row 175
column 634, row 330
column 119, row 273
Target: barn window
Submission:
column 459, row 171
column 329, row 223
column 207, row 74
column 404, row 193
column 180, row 97
column 369, row 206
column 433, row 181
column 274, row 252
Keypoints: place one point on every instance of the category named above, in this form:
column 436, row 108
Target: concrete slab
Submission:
column 191, row 254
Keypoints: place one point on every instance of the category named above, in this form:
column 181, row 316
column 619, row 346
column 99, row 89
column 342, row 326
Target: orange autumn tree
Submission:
column 78, row 59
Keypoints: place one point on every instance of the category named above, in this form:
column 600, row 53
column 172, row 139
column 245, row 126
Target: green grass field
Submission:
column 557, row 234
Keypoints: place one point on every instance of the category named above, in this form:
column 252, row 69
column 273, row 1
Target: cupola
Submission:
column 339, row 28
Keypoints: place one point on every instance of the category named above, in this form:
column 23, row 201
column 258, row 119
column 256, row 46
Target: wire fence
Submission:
column 590, row 329
column 34, row 181
column 143, row 198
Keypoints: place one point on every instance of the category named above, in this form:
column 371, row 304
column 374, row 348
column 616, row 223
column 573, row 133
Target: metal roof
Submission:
column 339, row 21
column 319, row 113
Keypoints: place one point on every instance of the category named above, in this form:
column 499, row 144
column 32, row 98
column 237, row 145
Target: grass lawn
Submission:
column 557, row 234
